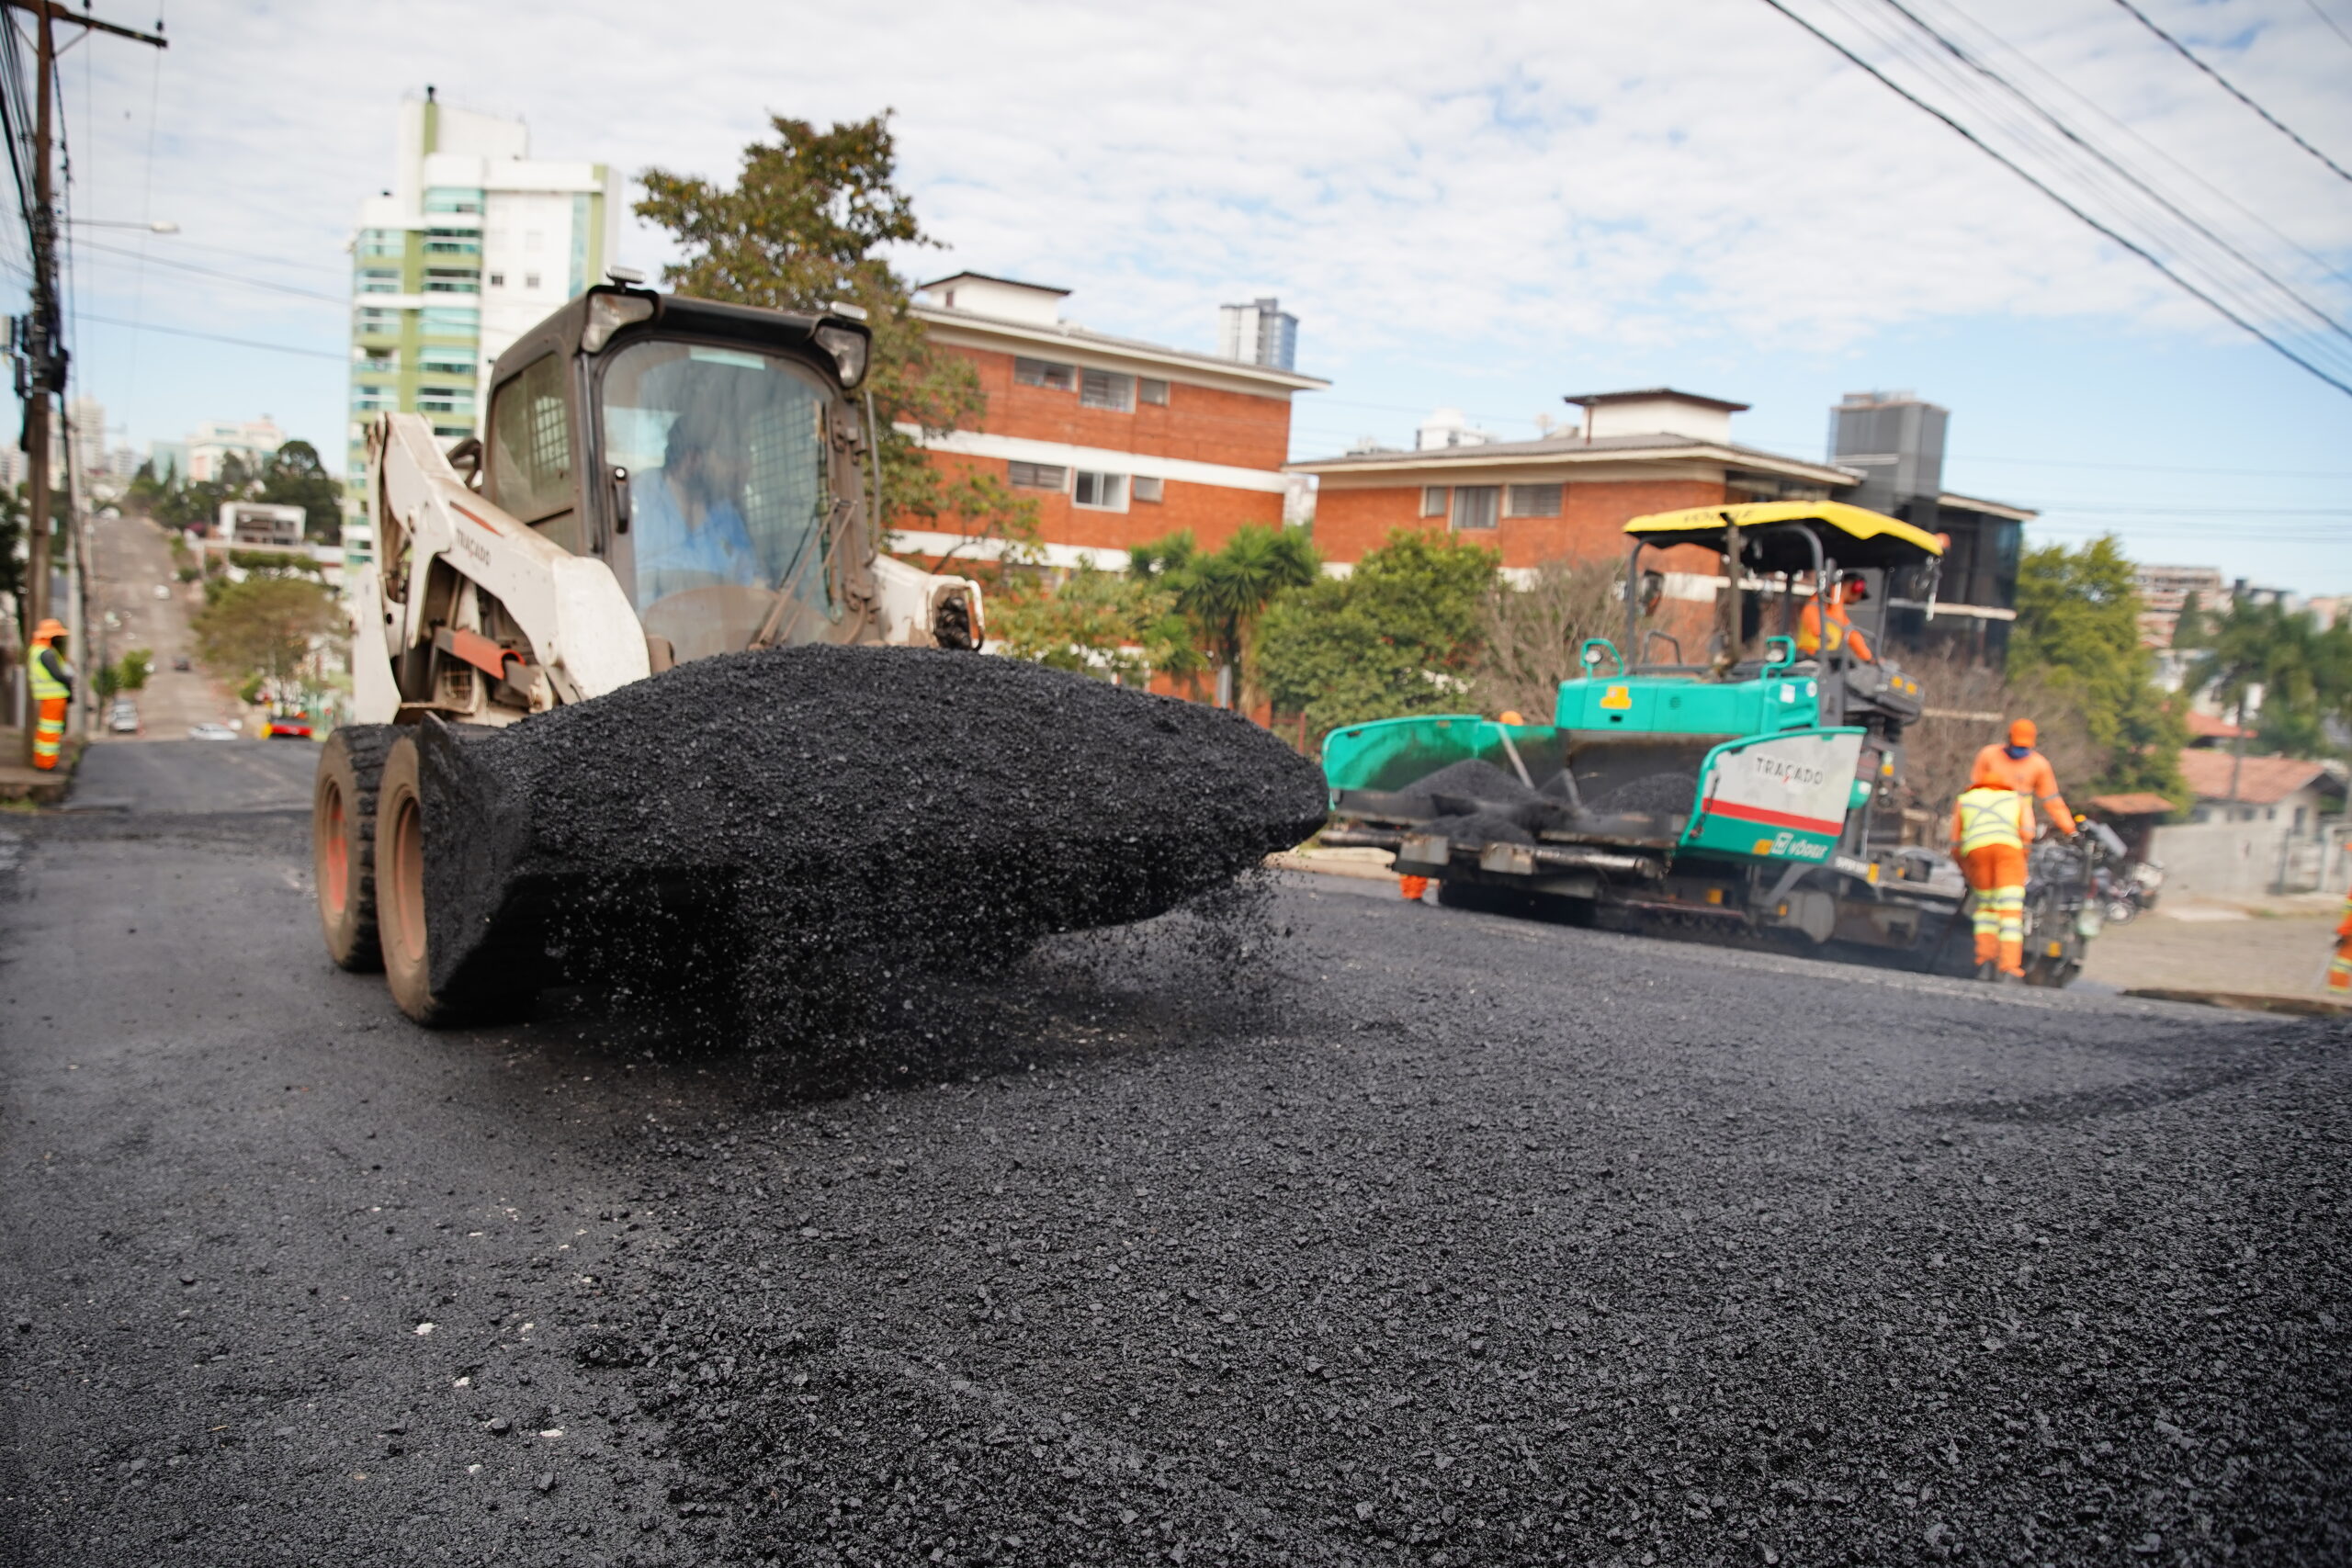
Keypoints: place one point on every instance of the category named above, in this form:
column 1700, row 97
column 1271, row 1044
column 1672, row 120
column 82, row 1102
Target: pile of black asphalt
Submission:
column 810, row 821
column 1315, row 1227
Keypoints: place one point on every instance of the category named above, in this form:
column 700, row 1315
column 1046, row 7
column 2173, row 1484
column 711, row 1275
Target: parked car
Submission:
column 181, row 663
column 123, row 718
column 211, row 731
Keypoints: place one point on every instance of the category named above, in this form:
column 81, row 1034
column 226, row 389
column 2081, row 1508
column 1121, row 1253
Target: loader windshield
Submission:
column 729, row 496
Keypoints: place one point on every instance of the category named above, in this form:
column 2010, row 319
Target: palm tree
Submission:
column 1224, row 594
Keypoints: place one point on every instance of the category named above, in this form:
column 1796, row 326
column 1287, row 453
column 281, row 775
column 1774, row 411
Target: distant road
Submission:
column 174, row 777
column 132, row 557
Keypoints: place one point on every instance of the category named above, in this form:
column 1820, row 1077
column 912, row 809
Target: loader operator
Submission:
column 2018, row 766
column 1850, row 590
column 53, row 689
column 1990, row 827
column 691, row 532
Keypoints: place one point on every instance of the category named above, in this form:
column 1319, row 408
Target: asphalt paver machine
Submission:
column 1749, row 794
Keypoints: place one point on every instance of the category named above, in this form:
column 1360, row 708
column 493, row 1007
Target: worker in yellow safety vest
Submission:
column 1815, row 637
column 1990, row 829
column 52, row 683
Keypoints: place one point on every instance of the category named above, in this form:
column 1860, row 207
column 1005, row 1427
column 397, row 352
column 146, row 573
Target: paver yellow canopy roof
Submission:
column 1854, row 535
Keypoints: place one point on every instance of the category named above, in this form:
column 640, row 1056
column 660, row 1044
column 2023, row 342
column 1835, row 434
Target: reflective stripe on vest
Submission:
column 45, row 686
column 1989, row 816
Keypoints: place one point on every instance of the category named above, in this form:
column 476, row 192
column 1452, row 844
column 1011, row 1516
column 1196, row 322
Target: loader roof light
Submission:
column 608, row 313
column 848, row 348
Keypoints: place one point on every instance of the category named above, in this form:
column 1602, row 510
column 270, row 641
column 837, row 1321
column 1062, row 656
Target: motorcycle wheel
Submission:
column 2120, row 910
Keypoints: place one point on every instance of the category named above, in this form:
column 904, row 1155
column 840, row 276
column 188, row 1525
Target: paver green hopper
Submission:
column 1748, row 793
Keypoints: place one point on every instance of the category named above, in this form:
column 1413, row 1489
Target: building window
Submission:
column 446, row 199
column 453, row 432
column 498, row 280
column 1148, row 488
column 1474, row 505
column 374, row 282
column 1533, row 500
column 530, row 280
column 1045, row 373
column 381, row 243
column 1107, row 390
column 1039, row 476
column 371, row 399
column 452, row 243
column 1433, row 501
column 377, row 321
column 1108, row 492
column 1155, row 391
column 444, row 399
column 379, row 359
column 448, row 280
column 442, row 360
column 451, row 321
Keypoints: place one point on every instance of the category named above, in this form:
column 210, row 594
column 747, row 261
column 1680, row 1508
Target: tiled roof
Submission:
column 2261, row 781
column 2140, row 804
column 2205, row 727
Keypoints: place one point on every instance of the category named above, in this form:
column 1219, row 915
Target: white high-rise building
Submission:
column 211, row 443
column 475, row 242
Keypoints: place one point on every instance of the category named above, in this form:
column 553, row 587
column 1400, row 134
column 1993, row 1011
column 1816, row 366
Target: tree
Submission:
column 800, row 230
column 1097, row 622
column 1225, row 592
column 1401, row 635
column 293, row 475
column 2305, row 673
column 2078, row 632
column 1532, row 633
column 265, row 628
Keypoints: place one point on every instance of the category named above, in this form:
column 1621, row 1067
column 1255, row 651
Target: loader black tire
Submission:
column 406, row 943
column 343, row 842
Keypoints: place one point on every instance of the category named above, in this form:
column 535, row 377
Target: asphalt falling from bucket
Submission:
column 793, row 830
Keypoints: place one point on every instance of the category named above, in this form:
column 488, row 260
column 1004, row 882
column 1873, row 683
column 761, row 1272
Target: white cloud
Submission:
column 1485, row 191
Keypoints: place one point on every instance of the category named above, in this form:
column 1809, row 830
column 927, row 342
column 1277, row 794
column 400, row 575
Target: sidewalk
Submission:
column 2264, row 947
column 23, row 784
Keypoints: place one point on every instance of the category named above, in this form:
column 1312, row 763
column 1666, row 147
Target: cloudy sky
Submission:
column 1482, row 204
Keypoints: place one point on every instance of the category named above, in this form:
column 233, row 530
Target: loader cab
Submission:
column 714, row 455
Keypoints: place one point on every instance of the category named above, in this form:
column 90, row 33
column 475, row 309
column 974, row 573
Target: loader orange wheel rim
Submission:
column 335, row 851
column 407, row 901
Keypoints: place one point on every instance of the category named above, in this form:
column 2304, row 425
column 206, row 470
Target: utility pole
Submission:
column 44, row 342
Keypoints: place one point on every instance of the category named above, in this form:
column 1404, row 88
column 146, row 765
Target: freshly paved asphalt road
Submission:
column 1348, row 1232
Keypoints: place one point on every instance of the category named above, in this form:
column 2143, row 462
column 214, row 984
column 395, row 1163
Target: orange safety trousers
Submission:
column 1996, row 875
column 1412, row 888
column 48, row 732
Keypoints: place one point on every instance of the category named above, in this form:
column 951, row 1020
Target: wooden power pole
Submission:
column 43, row 344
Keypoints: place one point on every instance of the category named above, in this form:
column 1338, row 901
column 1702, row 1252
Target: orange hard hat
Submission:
column 1509, row 716
column 48, row 628
column 2022, row 732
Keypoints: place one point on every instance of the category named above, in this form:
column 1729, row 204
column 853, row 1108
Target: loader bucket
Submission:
column 819, row 818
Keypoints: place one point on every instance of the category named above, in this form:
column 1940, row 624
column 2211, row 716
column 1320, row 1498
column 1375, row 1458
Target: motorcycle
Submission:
column 2126, row 891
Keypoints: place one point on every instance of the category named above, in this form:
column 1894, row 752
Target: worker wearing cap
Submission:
column 1990, row 827
column 52, row 683
column 1849, row 589
column 2020, row 767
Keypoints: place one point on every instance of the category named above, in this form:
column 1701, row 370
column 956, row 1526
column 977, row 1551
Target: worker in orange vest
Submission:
column 2339, row 969
column 53, row 689
column 2018, row 766
column 1990, row 826
column 1849, row 589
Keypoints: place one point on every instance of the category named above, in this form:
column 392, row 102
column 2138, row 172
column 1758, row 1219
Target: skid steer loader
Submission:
column 662, row 480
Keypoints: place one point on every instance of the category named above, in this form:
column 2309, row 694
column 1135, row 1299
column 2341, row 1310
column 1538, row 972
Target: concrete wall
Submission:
column 2244, row 859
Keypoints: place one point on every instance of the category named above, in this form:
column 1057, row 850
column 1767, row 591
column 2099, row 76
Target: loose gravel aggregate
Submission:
column 807, row 822
column 1308, row 1227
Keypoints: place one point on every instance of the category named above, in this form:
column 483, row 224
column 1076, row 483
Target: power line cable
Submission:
column 2323, row 16
column 2076, row 139
column 216, row 272
column 2014, row 167
column 216, row 337
column 2326, row 268
column 2161, row 227
column 2275, row 122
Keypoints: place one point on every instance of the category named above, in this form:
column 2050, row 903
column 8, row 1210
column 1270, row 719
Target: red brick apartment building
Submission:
column 1118, row 440
column 1568, row 496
